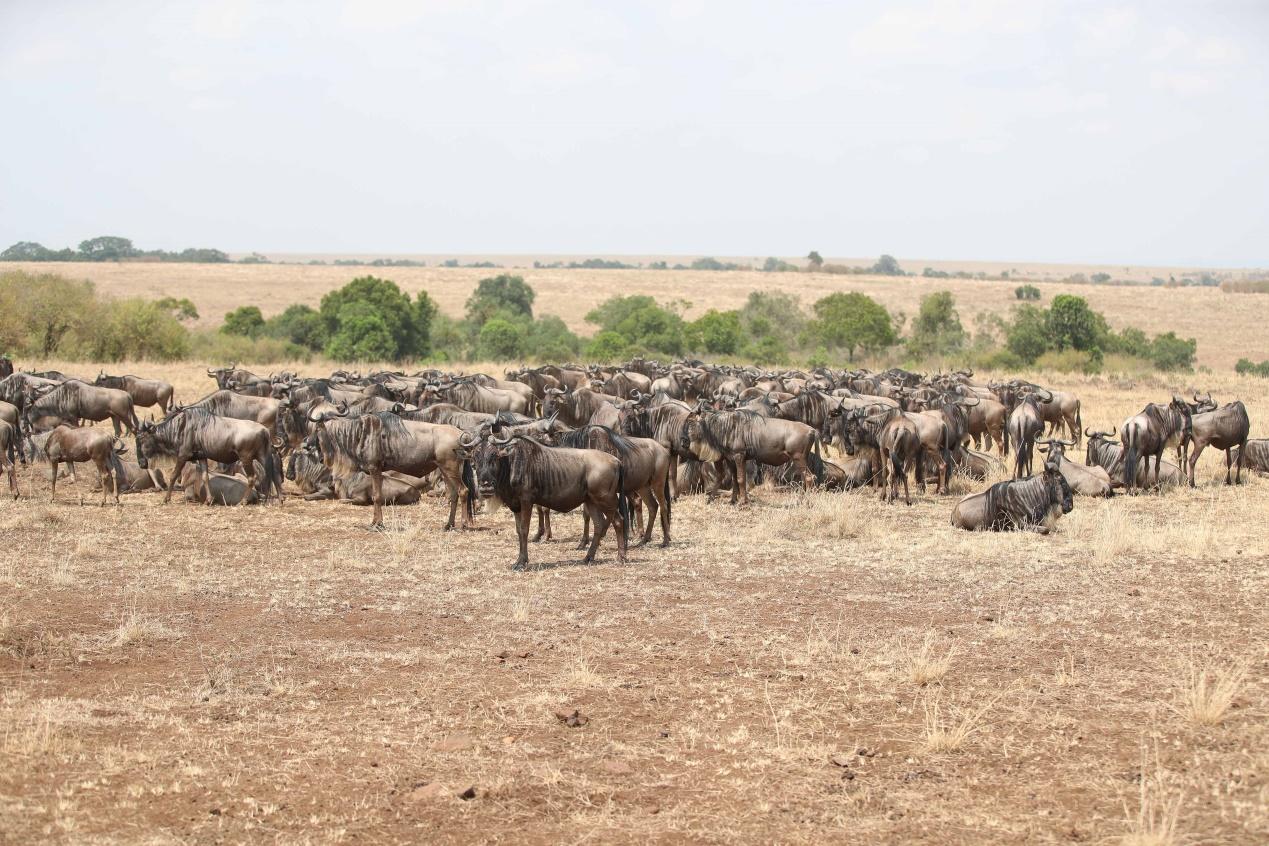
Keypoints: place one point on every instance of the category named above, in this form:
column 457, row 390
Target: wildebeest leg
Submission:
column 741, row 481
column 1242, row 449
column 542, row 524
column 103, row 479
column 455, row 488
column 1228, row 462
column 1198, row 448
column 13, row 479
column 585, row 540
column 176, row 474
column 376, row 493
column 523, row 516
column 601, row 526
column 674, row 476
column 646, row 495
column 712, row 493
column 52, row 497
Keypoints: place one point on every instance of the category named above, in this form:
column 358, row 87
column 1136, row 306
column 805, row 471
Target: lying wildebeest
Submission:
column 1254, row 455
column 145, row 393
column 68, row 443
column 1104, row 452
column 1083, row 479
column 894, row 436
column 738, row 436
column 1224, row 428
column 74, row 400
column 1033, row 504
column 382, row 441
column 1149, row 433
column 209, row 488
column 304, row 467
column 132, row 478
column 192, row 434
column 9, row 454
column 528, row 474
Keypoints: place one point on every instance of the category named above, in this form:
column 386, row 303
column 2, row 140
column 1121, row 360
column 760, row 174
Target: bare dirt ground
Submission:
column 1226, row 326
column 814, row 667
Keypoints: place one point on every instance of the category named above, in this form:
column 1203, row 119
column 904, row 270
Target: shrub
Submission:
column 244, row 320
column 775, row 265
column 716, row 332
column 1026, row 292
column 887, row 266
column 210, row 345
column 853, row 321
column 1247, row 367
column 1168, row 352
column 550, row 340
column 767, row 351
column 1071, row 323
column 363, row 335
column 407, row 324
column 1027, row 337
column 937, row 329
column 182, row 309
column 503, row 292
column 606, row 346
column 299, row 324
column 1130, row 341
column 137, row 330
column 500, row 340
column 642, row 323
column 1070, row 361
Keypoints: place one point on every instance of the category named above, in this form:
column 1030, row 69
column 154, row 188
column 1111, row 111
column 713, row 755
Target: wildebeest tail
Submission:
column 623, row 503
column 473, row 491
column 668, row 498
column 946, row 448
column 1006, row 440
column 818, row 466
column 1079, row 424
column 1130, row 458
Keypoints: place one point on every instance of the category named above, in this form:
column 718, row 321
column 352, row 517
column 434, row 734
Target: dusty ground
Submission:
column 810, row 668
column 1226, row 326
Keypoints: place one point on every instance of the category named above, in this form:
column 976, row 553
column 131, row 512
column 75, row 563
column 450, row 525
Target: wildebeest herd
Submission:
column 611, row 440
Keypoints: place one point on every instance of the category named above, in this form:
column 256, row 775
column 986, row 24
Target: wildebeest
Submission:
column 528, row 474
column 1026, row 423
column 6, row 366
column 9, row 454
column 233, row 373
column 74, row 400
column 208, row 488
column 894, row 436
column 1083, row 479
column 1149, row 433
column 1032, row 504
column 225, row 403
column 467, row 394
column 1254, row 455
column 145, row 393
column 68, row 443
column 376, row 442
column 575, row 407
column 195, row 434
column 1101, row 451
column 645, row 471
column 738, row 436
column 1224, row 428
column 314, row 479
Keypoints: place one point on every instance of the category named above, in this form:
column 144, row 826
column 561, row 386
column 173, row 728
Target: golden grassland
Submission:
column 1226, row 326
column 815, row 667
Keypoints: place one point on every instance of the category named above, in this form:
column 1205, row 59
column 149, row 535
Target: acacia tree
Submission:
column 852, row 321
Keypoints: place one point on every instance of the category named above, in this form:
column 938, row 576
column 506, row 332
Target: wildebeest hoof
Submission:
column 520, row 565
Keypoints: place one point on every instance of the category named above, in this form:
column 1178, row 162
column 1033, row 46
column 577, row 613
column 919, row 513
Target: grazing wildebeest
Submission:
column 74, row 400
column 209, row 488
column 1149, row 433
column 1083, row 479
column 226, row 403
column 1034, row 503
column 893, row 434
column 1254, row 455
column 194, row 434
column 1101, row 451
column 374, row 443
column 738, row 436
column 9, row 454
column 1026, row 422
column 1224, row 428
column 145, row 393
column 528, row 474
column 70, row 444
column 645, row 472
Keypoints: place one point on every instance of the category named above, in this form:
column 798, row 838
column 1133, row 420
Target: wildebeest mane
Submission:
column 583, row 437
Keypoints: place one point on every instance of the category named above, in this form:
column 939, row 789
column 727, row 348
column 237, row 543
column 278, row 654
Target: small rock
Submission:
column 468, row 794
column 840, row 760
column 854, row 650
column 431, row 792
column 576, row 719
column 1134, row 591
column 453, row 743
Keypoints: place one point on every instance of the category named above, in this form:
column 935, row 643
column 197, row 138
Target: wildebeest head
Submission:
column 147, row 444
column 1055, row 483
column 1054, row 448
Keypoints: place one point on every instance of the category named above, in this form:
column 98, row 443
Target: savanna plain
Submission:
column 817, row 666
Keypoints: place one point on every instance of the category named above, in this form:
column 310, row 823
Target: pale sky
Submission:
column 1081, row 132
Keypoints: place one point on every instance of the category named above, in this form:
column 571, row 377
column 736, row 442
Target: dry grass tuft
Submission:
column 830, row 515
column 925, row 663
column 1158, row 809
column 136, row 628
column 1208, row 692
column 949, row 733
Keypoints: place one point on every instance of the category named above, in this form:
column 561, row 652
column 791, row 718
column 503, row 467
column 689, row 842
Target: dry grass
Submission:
column 758, row 681
column 1209, row 690
column 1155, row 820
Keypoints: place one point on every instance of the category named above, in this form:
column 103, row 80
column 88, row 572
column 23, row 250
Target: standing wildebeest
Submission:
column 1225, row 428
column 1034, row 503
column 226, row 403
column 738, row 436
column 1101, row 451
column 1063, row 412
column 1083, row 479
column 9, row 454
column 232, row 373
column 645, row 471
column 664, row 424
column 194, row 434
column 1254, row 455
column 1151, row 432
column 70, row 444
column 528, row 474
column 376, row 442
column 145, row 393
column 473, row 397
column 74, row 400
column 1025, row 425
column 575, row 407
column 893, row 434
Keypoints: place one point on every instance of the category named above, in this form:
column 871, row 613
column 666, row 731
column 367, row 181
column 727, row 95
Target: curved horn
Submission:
column 501, row 441
column 211, row 372
column 964, row 402
column 467, row 444
column 1067, row 443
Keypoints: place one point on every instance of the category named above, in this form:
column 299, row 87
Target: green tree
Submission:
column 607, row 346
column 1168, row 352
column 501, row 340
column 816, row 260
column 937, row 329
column 134, row 329
column 408, row 323
column 362, row 334
column 300, row 325
column 641, row 322
column 1028, row 336
column 717, row 332
column 500, row 293
column 244, row 320
column 1027, row 292
column 853, row 321
column 106, row 248
column 887, row 266
column 27, row 251
column 550, row 340
column 182, row 309
column 1072, row 324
